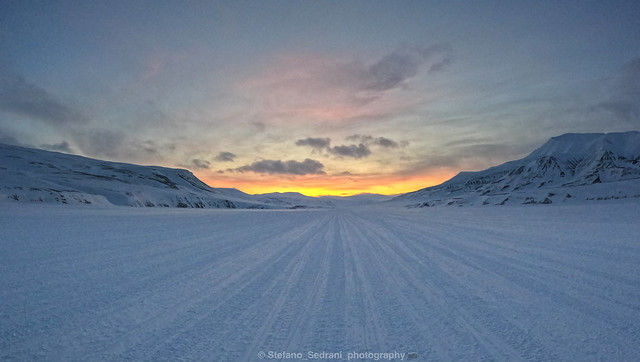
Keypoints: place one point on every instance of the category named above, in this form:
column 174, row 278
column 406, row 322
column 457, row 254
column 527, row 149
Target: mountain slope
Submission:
column 294, row 200
column 571, row 166
column 33, row 175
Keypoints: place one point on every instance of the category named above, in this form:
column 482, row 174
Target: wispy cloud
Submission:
column 463, row 155
column 9, row 139
column 225, row 157
column 623, row 101
column 395, row 68
column 377, row 141
column 17, row 96
column 385, row 142
column 61, row 147
column 200, row 164
column 327, row 88
column 290, row 167
column 120, row 145
column 100, row 142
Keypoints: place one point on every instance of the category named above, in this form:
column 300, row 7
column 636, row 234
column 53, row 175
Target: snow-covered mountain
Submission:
column 33, row 175
column 567, row 168
column 294, row 200
column 356, row 200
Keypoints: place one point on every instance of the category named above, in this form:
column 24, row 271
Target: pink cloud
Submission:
column 324, row 88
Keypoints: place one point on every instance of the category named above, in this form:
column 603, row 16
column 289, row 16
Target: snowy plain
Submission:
column 544, row 282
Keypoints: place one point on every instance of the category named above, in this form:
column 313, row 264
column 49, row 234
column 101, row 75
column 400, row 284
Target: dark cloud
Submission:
column 385, row 142
column 61, row 147
column 377, row 141
column 355, row 151
column 344, row 173
column 359, row 150
column 395, row 68
column 17, row 96
column 319, row 144
column 315, row 143
column 100, row 142
column 9, row 139
column 198, row 163
column 624, row 94
column 291, row 167
column 119, row 145
column 360, row 138
column 225, row 157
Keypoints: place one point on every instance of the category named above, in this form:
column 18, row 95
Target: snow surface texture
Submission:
column 495, row 283
column 567, row 169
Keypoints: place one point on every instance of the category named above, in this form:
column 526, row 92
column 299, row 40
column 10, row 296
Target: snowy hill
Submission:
column 294, row 200
column 356, row 200
column 32, row 175
column 568, row 168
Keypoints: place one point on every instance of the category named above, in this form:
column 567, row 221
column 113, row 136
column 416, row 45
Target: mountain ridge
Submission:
column 34, row 175
column 565, row 163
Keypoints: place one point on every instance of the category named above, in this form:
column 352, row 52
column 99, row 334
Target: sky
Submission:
column 320, row 97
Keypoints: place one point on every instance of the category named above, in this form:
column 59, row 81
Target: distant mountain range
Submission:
column 568, row 168
column 38, row 176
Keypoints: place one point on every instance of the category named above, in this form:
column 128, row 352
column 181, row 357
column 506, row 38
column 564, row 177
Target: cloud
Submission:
column 386, row 143
column 359, row 150
column 17, row 96
column 395, row 68
column 359, row 138
column 377, row 141
column 623, row 101
column 198, row 163
column 355, row 151
column 291, row 167
column 321, row 87
column 465, row 155
column 225, row 157
column 61, row 147
column 315, row 143
column 319, row 144
column 9, row 139
column 100, row 142
column 120, row 145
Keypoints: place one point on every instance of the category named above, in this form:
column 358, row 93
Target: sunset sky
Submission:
column 320, row 97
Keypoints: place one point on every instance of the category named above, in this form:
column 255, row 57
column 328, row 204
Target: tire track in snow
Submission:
column 226, row 285
column 465, row 320
column 533, row 293
column 236, row 294
column 395, row 319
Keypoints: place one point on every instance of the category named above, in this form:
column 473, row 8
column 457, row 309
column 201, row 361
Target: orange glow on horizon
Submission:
column 322, row 185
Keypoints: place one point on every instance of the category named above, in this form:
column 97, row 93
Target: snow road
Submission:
column 500, row 283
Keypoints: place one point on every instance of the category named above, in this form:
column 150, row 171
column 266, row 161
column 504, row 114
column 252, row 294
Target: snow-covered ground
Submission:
column 499, row 283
